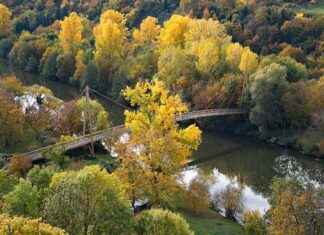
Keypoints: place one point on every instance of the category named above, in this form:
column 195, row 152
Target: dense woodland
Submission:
column 162, row 58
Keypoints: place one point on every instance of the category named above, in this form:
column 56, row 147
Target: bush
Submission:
column 23, row 200
column 231, row 199
column 23, row 226
column 197, row 196
column 254, row 224
column 40, row 177
column 161, row 222
column 19, row 165
column 7, row 183
column 89, row 201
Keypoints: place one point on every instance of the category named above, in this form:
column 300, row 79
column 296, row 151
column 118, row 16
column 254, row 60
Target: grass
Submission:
column 211, row 223
column 316, row 9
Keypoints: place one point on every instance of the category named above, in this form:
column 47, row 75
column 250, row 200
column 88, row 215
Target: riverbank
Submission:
column 212, row 223
column 309, row 141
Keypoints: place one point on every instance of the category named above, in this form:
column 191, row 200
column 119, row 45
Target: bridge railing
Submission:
column 207, row 112
column 76, row 141
column 93, row 137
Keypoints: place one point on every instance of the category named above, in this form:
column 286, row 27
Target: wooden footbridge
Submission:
column 119, row 130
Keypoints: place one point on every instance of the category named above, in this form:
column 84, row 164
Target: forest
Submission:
column 157, row 60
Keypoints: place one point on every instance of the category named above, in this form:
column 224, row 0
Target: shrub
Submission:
column 161, row 222
column 254, row 224
column 23, row 226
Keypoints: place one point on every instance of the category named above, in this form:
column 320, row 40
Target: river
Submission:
column 226, row 158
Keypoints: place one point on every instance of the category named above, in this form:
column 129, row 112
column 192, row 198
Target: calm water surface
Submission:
column 226, row 158
column 231, row 159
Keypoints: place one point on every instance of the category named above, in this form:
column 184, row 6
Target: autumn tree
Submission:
column 208, row 54
column 12, row 120
column 233, row 55
column 89, row 201
column 205, row 40
column 176, row 68
column 254, row 223
column 110, row 35
column 295, row 209
column 12, row 85
column 249, row 61
column 5, row 20
column 19, row 165
column 161, row 222
column 231, row 200
column 24, row 226
column 71, row 33
column 202, row 29
column 148, row 32
column 162, row 146
column 82, row 111
column 197, row 197
column 173, row 31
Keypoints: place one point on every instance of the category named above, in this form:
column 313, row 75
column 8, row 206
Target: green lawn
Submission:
column 212, row 223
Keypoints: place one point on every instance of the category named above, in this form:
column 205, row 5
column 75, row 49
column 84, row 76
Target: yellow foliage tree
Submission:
column 233, row 55
column 201, row 29
column 113, row 16
column 110, row 36
column 24, row 226
column 208, row 55
column 157, row 147
column 5, row 20
column 249, row 61
column 71, row 33
column 148, row 32
column 173, row 32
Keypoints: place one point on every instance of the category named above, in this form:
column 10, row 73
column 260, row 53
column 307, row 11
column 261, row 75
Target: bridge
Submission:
column 118, row 130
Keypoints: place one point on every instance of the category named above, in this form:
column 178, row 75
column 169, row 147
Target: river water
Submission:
column 226, row 158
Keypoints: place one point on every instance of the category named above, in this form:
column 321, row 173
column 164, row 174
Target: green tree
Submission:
column 295, row 71
column 267, row 89
column 23, row 200
column 40, row 177
column 161, row 222
column 176, row 68
column 296, row 105
column 89, row 201
column 7, row 183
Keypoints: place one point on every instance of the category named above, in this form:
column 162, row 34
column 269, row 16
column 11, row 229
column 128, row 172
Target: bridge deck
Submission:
column 118, row 130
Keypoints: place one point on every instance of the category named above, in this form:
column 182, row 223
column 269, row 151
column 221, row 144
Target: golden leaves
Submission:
column 71, row 33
